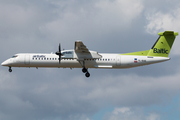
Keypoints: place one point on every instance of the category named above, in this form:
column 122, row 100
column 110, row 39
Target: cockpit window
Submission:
column 14, row 56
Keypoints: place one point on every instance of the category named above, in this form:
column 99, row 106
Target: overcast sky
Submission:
column 116, row 26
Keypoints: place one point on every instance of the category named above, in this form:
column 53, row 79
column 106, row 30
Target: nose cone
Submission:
column 5, row 63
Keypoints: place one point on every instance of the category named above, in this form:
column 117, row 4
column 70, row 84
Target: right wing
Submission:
column 80, row 47
column 83, row 53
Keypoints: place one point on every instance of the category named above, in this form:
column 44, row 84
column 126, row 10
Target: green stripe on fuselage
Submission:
column 140, row 53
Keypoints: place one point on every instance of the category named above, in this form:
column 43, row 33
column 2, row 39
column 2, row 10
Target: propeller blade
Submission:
column 59, row 47
column 59, row 53
column 59, row 59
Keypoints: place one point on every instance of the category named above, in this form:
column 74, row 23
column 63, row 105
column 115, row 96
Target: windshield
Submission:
column 14, row 56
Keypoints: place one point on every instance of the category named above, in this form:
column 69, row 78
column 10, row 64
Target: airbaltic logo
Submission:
column 39, row 56
column 162, row 50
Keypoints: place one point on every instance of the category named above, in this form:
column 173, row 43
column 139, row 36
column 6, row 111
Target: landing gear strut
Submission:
column 10, row 70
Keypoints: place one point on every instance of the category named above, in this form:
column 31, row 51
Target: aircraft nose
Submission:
column 5, row 63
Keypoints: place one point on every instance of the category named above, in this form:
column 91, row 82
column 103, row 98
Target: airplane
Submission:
column 81, row 57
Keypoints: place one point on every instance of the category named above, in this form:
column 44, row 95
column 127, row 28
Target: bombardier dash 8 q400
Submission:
column 83, row 58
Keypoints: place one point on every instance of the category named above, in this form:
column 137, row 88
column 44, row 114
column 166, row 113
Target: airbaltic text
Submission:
column 39, row 56
column 162, row 50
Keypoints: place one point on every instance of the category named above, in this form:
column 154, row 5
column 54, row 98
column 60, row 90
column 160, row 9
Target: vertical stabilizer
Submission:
column 163, row 45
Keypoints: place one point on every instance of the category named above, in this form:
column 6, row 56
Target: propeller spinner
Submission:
column 59, row 53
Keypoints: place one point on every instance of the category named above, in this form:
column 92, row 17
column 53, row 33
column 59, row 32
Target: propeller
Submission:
column 59, row 53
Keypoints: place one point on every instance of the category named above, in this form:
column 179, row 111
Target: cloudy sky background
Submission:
column 115, row 26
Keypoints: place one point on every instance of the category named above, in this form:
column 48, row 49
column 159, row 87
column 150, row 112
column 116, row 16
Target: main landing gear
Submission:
column 84, row 70
column 10, row 70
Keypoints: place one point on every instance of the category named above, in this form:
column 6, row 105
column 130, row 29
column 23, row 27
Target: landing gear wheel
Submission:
column 84, row 70
column 87, row 74
column 10, row 70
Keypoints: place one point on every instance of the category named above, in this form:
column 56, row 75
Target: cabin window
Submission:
column 49, row 58
column 44, row 58
column 39, row 58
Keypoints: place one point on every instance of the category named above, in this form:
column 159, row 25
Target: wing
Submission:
column 80, row 47
column 82, row 52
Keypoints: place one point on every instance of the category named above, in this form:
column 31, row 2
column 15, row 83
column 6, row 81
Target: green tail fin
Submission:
column 163, row 45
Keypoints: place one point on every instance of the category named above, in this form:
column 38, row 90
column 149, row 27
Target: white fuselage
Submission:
column 106, row 61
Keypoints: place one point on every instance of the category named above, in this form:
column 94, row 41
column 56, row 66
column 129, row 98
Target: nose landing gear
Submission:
column 10, row 70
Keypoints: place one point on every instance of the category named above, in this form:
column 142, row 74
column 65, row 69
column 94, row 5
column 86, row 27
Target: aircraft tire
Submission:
column 84, row 70
column 10, row 70
column 87, row 74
